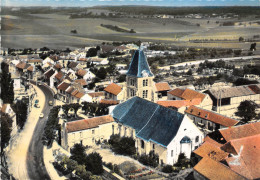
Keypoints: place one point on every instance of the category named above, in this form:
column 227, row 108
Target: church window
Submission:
column 197, row 139
column 132, row 82
column 145, row 82
column 142, row 144
column 132, row 92
column 145, row 92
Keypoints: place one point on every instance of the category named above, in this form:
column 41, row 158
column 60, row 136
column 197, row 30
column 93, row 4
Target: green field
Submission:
column 53, row 30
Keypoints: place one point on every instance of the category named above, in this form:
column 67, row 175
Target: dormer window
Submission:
column 199, row 114
column 206, row 116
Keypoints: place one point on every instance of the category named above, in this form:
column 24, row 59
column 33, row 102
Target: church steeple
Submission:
column 139, row 66
column 139, row 78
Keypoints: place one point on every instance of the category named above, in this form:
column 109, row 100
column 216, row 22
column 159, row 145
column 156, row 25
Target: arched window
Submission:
column 185, row 139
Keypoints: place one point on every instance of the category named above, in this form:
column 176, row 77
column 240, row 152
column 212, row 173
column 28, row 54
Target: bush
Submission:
column 124, row 145
column 149, row 160
column 94, row 163
column 167, row 169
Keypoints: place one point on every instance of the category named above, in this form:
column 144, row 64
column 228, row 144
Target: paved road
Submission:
column 34, row 160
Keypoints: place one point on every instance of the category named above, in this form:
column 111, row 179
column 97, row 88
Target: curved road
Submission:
column 34, row 160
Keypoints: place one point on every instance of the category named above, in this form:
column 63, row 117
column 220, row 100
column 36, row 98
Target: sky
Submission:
column 87, row 3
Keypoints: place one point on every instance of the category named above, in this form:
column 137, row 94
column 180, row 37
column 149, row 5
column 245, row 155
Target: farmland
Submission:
column 54, row 30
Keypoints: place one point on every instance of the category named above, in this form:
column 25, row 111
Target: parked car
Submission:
column 41, row 115
column 50, row 103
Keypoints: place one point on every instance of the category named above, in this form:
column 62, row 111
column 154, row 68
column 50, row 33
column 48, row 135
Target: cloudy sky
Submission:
column 85, row 3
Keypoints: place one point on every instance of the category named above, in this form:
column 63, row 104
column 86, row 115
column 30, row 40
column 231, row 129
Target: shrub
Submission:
column 149, row 160
column 167, row 169
column 94, row 163
column 124, row 145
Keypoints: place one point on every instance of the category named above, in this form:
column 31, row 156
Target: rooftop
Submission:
column 153, row 123
column 63, row 86
column 187, row 94
column 179, row 103
column 139, row 66
column 113, row 89
column 211, row 116
column 162, row 86
column 88, row 123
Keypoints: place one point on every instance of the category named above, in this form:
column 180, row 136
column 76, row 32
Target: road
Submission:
column 34, row 160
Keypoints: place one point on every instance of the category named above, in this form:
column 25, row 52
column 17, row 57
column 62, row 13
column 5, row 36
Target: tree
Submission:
column 66, row 108
column 76, row 107
column 6, row 128
column 246, row 110
column 92, row 52
column 20, row 109
column 101, row 73
column 253, row 47
column 241, row 39
column 122, row 78
column 189, row 72
column 81, row 172
column 243, row 81
column 78, row 153
column 94, row 163
column 7, row 87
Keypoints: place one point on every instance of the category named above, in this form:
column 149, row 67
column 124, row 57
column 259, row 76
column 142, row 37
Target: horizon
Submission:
column 162, row 3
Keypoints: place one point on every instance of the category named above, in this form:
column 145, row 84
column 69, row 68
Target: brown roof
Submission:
column 58, row 66
column 4, row 107
column 255, row 88
column 73, row 65
column 112, row 102
column 209, row 150
column 113, row 89
column 21, row 65
column 213, row 170
column 55, row 57
column 96, row 94
column 73, row 93
column 88, row 123
column 242, row 131
column 211, row 116
column 179, row 103
column 49, row 73
column 30, row 68
column 211, row 141
column 248, row 162
column 59, row 75
column 187, row 94
column 81, row 72
column 176, row 92
column 162, row 86
column 82, row 82
column 83, row 59
column 63, row 86
column 35, row 60
column 79, row 95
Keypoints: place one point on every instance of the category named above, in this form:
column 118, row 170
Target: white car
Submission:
column 41, row 115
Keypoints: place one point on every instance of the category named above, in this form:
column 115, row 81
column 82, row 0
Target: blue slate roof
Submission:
column 139, row 65
column 151, row 121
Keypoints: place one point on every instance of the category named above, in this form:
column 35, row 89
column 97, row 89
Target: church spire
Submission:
column 139, row 66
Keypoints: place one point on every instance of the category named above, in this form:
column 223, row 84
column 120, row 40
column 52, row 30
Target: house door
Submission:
column 185, row 146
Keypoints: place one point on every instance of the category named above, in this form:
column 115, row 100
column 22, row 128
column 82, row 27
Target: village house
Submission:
column 49, row 77
column 208, row 120
column 236, row 157
column 85, row 74
column 35, row 62
column 7, row 109
column 98, row 61
column 95, row 97
column 156, row 128
column 161, row 90
column 87, row 131
column 61, row 91
column 226, row 100
column 114, row 92
column 189, row 94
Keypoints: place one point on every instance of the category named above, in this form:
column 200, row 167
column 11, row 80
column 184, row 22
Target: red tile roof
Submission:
column 30, row 68
column 179, row 103
column 96, row 94
column 211, row 116
column 162, row 86
column 210, row 150
column 79, row 95
column 59, row 75
column 113, row 89
column 82, row 82
column 63, row 86
column 73, row 93
column 215, row 170
column 88, row 123
column 34, row 60
column 247, row 162
column 242, row 131
column 211, row 141
column 58, row 66
column 255, row 88
column 21, row 65
column 81, row 72
column 112, row 102
column 187, row 94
